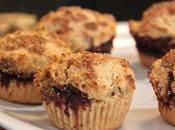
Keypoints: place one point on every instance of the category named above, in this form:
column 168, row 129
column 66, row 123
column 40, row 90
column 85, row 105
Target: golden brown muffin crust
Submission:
column 162, row 8
column 157, row 21
column 161, row 77
column 9, row 22
column 81, row 27
column 31, row 43
column 169, row 59
column 26, row 52
column 98, row 75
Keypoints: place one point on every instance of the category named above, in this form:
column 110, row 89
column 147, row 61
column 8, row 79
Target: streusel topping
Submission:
column 157, row 21
column 82, row 28
column 99, row 75
column 26, row 52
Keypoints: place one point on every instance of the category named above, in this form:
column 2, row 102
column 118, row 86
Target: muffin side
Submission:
column 162, row 79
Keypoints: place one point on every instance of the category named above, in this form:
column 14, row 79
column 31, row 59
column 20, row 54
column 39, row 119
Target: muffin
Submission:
column 86, row 91
column 162, row 78
column 22, row 54
column 10, row 22
column 155, row 32
column 83, row 29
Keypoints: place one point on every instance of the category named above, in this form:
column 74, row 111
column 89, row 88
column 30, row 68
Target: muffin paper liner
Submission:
column 101, row 115
column 147, row 60
column 20, row 92
column 167, row 112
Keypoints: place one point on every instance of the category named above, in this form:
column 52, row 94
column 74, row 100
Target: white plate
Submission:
column 142, row 116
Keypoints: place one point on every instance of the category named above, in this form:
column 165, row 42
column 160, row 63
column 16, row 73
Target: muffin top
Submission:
column 82, row 28
column 10, row 22
column 23, row 53
column 101, row 76
column 162, row 78
column 157, row 21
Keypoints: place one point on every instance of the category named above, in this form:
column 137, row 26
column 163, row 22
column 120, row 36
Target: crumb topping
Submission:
column 162, row 78
column 98, row 75
column 10, row 22
column 32, row 43
column 28, row 51
column 81, row 27
column 157, row 21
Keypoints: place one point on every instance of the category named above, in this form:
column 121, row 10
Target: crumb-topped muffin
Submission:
column 84, row 29
column 10, row 22
column 162, row 77
column 155, row 32
column 22, row 54
column 86, row 91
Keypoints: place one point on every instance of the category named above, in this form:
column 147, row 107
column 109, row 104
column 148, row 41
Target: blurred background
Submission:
column 122, row 9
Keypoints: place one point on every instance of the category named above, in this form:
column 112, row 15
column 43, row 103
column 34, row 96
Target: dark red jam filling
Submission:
column 103, row 48
column 169, row 98
column 5, row 78
column 154, row 46
column 68, row 96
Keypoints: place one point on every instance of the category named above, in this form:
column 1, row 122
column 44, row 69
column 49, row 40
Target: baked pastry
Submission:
column 162, row 78
column 83, row 29
column 10, row 22
column 86, row 91
column 22, row 54
column 154, row 34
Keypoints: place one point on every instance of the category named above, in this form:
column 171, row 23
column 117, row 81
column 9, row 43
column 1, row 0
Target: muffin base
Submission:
column 98, row 116
column 19, row 92
column 151, row 49
column 168, row 113
column 154, row 46
column 103, row 48
column 147, row 60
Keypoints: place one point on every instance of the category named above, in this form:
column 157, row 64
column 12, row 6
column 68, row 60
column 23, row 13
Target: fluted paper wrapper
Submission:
column 97, row 116
column 167, row 112
column 20, row 92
